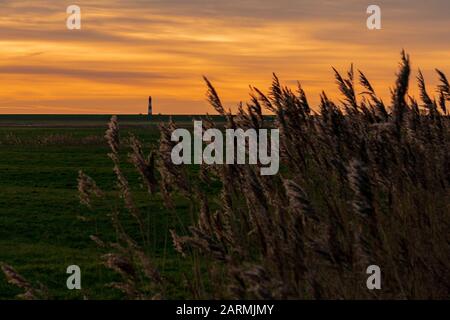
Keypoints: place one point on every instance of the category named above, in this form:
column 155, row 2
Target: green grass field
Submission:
column 44, row 229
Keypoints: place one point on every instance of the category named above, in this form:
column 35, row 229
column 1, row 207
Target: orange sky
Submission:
column 127, row 50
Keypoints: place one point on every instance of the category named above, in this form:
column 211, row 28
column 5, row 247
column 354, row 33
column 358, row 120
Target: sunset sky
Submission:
column 128, row 50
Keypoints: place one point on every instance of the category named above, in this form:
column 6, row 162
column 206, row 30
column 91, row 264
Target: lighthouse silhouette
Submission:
column 150, row 107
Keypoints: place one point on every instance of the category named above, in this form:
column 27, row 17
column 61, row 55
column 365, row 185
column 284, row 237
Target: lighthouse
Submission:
column 150, row 107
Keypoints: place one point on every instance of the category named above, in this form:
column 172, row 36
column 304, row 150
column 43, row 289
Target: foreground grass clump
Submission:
column 361, row 183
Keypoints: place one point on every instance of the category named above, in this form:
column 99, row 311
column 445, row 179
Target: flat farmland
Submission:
column 44, row 228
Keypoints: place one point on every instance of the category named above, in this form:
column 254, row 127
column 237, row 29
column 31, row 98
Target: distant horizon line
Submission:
column 108, row 114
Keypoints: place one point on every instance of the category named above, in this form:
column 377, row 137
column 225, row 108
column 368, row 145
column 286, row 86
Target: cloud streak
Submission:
column 92, row 75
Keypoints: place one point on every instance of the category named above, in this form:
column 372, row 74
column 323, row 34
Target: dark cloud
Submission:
column 96, row 75
column 292, row 9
